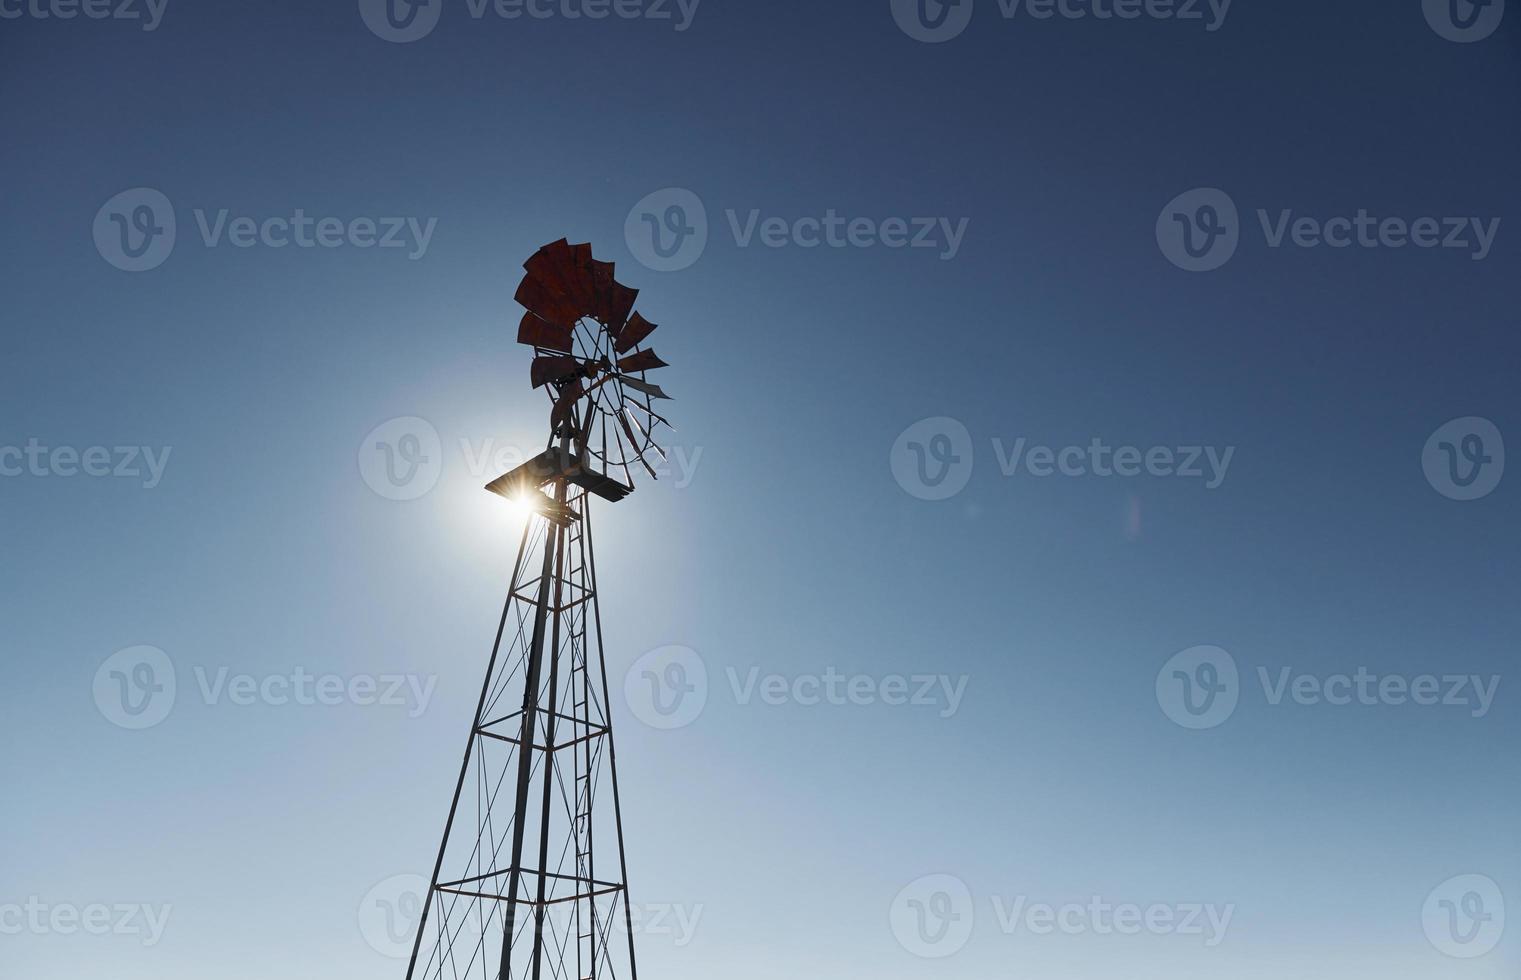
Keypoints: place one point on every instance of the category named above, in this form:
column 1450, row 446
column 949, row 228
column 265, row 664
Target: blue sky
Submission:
column 1038, row 157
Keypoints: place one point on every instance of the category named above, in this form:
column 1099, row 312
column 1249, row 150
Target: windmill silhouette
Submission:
column 531, row 878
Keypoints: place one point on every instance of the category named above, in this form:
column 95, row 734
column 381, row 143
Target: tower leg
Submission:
column 529, row 731
column 529, row 865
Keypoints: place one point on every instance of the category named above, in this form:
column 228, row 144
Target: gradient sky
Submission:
column 789, row 548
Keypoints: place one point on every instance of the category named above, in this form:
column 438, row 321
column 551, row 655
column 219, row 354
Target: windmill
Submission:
column 539, row 889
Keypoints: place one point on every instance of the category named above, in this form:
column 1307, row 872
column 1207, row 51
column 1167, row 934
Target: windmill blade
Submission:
column 645, row 360
column 634, row 443
column 601, row 276
column 539, row 333
column 620, row 303
column 555, row 266
column 643, row 386
column 549, row 305
column 602, row 288
column 635, row 331
column 656, row 416
column 647, row 435
column 547, row 369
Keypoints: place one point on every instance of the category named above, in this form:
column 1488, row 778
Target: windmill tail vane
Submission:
column 531, row 879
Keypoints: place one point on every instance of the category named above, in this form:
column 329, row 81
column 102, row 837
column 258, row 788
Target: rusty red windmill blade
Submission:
column 555, row 266
column 620, row 303
column 645, row 360
column 602, row 289
column 550, row 369
column 633, row 332
column 541, row 333
column 548, row 304
column 567, row 266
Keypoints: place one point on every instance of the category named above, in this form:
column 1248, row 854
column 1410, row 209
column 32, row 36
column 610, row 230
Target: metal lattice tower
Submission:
column 531, row 879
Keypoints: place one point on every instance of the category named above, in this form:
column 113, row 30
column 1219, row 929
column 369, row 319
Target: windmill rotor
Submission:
column 590, row 355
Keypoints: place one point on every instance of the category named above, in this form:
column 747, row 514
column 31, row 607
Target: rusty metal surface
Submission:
column 633, row 332
column 645, row 360
column 643, row 386
column 550, row 368
column 538, row 298
column 540, row 333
